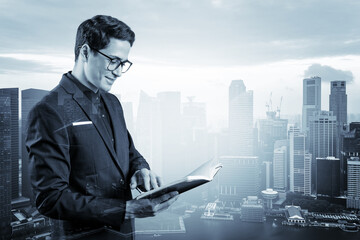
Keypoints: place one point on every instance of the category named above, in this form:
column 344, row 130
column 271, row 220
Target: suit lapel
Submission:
column 117, row 127
column 91, row 112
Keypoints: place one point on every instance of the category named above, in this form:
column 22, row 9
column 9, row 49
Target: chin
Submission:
column 106, row 88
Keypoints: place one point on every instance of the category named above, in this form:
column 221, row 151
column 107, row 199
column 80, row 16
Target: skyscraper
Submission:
column 9, row 156
column 350, row 148
column 328, row 176
column 194, row 134
column 338, row 101
column 300, row 165
column 311, row 100
column 280, row 168
column 29, row 98
column 323, row 134
column 338, row 105
column 148, row 131
column 170, row 117
column 322, row 139
column 353, row 196
column 271, row 129
column 240, row 119
column 239, row 178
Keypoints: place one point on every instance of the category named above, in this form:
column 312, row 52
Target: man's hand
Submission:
column 145, row 180
column 149, row 207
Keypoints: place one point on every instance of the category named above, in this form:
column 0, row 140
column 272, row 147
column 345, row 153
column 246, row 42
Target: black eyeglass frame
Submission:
column 121, row 63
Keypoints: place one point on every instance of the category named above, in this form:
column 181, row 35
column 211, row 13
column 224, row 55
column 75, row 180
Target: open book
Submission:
column 203, row 174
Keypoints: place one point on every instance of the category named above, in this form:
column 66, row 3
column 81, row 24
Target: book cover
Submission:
column 203, row 174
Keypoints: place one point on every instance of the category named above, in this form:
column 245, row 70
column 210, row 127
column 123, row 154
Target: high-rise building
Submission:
column 300, row 165
column 353, row 196
column 12, row 94
column 9, row 156
column 148, row 131
column 328, row 176
column 323, row 134
column 252, row 210
column 293, row 129
column 270, row 129
column 322, row 139
column 170, row 118
column 29, row 98
column 194, row 134
column 338, row 105
column 311, row 100
column 280, row 168
column 240, row 119
column 128, row 115
column 338, row 101
column 239, row 178
column 350, row 148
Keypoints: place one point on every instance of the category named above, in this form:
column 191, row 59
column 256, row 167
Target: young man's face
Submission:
column 96, row 72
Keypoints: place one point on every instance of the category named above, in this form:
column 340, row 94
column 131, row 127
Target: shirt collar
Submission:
column 93, row 97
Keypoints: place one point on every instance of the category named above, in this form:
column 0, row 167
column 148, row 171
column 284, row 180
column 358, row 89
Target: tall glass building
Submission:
column 240, row 119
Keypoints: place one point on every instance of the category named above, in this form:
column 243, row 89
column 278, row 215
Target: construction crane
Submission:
column 268, row 105
column 278, row 110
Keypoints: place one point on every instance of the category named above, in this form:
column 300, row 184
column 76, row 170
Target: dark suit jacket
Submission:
column 78, row 174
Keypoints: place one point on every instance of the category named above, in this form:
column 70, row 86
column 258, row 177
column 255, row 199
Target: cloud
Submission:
column 328, row 73
column 205, row 32
column 12, row 65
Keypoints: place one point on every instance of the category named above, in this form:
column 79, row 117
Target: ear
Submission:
column 84, row 52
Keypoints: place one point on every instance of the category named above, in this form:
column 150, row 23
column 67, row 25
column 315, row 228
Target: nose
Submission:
column 117, row 72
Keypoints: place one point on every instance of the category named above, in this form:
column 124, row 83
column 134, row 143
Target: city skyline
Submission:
column 182, row 52
column 270, row 89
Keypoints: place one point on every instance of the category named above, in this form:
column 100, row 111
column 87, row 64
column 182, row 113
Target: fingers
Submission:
column 165, row 197
column 166, row 204
column 146, row 178
column 153, row 180
column 149, row 207
column 133, row 182
column 159, row 181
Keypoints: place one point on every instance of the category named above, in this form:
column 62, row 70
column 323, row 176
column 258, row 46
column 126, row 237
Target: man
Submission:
column 83, row 162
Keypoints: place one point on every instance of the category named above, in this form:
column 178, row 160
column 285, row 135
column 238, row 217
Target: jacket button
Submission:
column 122, row 182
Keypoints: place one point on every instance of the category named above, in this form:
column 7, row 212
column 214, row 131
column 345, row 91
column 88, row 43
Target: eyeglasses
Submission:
column 114, row 63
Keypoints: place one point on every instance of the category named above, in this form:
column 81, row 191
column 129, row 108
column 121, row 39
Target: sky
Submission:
column 196, row 47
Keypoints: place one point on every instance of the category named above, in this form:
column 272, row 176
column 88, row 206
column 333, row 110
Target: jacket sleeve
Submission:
column 137, row 161
column 48, row 145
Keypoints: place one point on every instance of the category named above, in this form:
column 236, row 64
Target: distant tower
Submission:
column 271, row 129
column 128, row 115
column 300, row 165
column 338, row 101
column 328, row 176
column 323, row 134
column 239, row 178
column 353, row 197
column 194, row 134
column 148, row 131
column 269, row 195
column 322, row 139
column 9, row 156
column 351, row 148
column 240, row 119
column 311, row 100
column 280, row 168
column 170, row 118
column 29, row 98
column 338, row 105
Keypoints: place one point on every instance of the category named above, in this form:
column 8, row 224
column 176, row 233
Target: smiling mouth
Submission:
column 111, row 79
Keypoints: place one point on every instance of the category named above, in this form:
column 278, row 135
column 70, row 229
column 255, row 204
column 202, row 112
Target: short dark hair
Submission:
column 98, row 30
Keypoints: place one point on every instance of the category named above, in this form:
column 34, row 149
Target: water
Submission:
column 199, row 229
